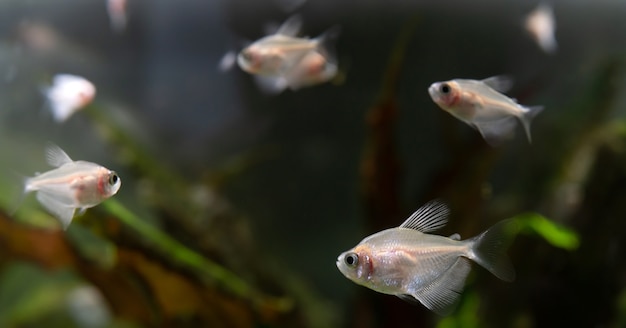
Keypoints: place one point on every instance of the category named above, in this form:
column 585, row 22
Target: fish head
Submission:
column 249, row 59
column 446, row 94
column 261, row 59
column 356, row 265
column 109, row 183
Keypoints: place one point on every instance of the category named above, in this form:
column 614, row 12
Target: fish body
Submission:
column 540, row 24
column 68, row 94
column 480, row 104
column 410, row 263
column 283, row 60
column 71, row 185
column 118, row 16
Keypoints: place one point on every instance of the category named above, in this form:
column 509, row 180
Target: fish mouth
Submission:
column 432, row 90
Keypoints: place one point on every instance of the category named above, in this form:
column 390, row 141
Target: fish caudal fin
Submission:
column 62, row 211
column 326, row 43
column 442, row 295
column 489, row 250
column 529, row 114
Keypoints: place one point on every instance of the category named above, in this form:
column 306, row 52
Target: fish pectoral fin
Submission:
column 455, row 236
column 496, row 131
column 55, row 156
column 442, row 295
column 430, row 217
column 61, row 211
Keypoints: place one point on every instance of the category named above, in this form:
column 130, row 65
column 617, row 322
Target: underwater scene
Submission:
column 312, row 163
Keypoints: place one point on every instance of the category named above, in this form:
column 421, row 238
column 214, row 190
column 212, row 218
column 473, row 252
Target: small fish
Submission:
column 275, row 55
column 416, row 266
column 481, row 105
column 540, row 24
column 71, row 185
column 117, row 10
column 68, row 94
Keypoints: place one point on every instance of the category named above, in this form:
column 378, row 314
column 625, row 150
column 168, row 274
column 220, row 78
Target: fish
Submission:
column 118, row 14
column 540, row 24
column 410, row 263
column 67, row 94
column 71, row 185
column 481, row 105
column 284, row 60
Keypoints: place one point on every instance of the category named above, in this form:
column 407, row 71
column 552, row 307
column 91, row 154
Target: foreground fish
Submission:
column 71, row 185
column 68, row 94
column 540, row 24
column 482, row 105
column 283, row 60
column 408, row 263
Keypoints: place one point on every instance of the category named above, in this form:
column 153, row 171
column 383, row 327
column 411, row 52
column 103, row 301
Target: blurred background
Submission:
column 235, row 204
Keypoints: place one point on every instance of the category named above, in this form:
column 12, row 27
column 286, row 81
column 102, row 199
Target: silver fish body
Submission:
column 411, row 264
column 71, row 185
column 540, row 24
column 481, row 104
column 68, row 94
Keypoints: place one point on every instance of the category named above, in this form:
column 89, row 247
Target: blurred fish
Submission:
column 88, row 307
column 540, row 24
column 68, row 94
column 481, row 105
column 118, row 14
column 415, row 266
column 283, row 60
column 71, row 185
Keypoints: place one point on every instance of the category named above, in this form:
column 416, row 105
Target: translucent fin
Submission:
column 270, row 85
column 442, row 295
column 228, row 61
column 489, row 250
column 500, row 83
column 495, row 132
column 455, row 236
column 55, row 156
column 326, row 43
column 291, row 27
column 430, row 217
column 63, row 212
column 529, row 114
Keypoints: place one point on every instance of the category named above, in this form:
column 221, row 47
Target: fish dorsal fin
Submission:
column 430, row 217
column 55, row 156
column 291, row 27
column 500, row 83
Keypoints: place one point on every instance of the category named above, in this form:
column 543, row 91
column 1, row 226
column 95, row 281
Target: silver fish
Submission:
column 540, row 24
column 480, row 104
column 71, row 185
column 416, row 266
column 68, row 94
column 275, row 55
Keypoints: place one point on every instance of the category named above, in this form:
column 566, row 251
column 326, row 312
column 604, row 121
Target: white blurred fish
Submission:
column 68, row 94
column 118, row 14
column 71, row 185
column 280, row 56
column 416, row 266
column 540, row 23
column 481, row 105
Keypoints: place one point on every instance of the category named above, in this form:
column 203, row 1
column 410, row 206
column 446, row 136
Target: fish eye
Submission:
column 351, row 259
column 113, row 178
column 445, row 88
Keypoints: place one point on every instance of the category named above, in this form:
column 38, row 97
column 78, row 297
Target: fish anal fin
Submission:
column 430, row 217
column 496, row 131
column 442, row 295
column 61, row 211
column 55, row 156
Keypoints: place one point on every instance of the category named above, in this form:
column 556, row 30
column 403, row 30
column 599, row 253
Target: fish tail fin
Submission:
column 529, row 114
column 19, row 194
column 326, row 42
column 489, row 250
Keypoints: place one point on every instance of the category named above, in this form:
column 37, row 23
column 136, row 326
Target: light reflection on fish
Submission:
column 480, row 104
column 416, row 266
column 540, row 24
column 68, row 94
column 284, row 60
column 71, row 185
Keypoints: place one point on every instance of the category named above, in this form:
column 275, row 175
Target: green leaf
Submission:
column 556, row 234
